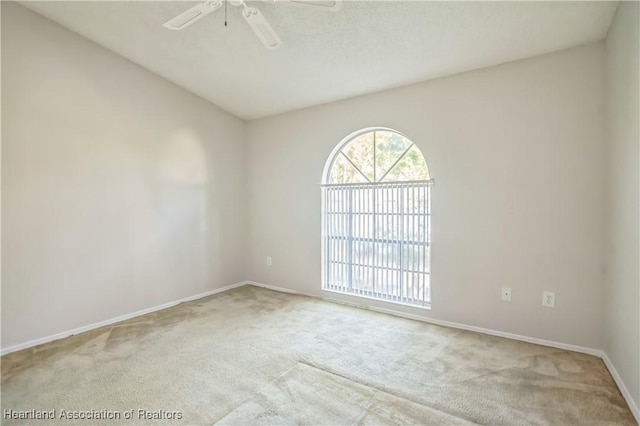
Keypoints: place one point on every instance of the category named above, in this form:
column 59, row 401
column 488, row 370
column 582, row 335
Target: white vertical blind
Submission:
column 377, row 240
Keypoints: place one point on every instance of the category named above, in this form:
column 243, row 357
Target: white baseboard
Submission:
column 596, row 352
column 543, row 342
column 590, row 351
column 110, row 321
column 633, row 406
column 275, row 288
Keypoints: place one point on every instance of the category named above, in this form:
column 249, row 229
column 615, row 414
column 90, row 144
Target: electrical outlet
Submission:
column 548, row 299
column 506, row 294
column 269, row 261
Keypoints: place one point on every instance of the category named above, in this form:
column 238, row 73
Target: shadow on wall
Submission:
column 183, row 210
column 183, row 160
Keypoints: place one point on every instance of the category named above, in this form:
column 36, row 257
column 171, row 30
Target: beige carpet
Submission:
column 253, row 356
column 307, row 395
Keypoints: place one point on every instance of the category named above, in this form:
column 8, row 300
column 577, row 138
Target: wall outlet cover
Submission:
column 506, row 294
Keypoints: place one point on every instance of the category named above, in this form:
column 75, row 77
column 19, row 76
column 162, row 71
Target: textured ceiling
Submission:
column 365, row 47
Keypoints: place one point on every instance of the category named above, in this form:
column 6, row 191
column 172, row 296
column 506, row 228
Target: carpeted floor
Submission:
column 254, row 356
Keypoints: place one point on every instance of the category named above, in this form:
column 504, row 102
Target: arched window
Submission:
column 377, row 219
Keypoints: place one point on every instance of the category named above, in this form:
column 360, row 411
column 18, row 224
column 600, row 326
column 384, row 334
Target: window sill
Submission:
column 425, row 306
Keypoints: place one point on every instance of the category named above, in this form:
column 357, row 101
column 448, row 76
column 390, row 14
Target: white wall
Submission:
column 622, row 141
column 516, row 152
column 120, row 191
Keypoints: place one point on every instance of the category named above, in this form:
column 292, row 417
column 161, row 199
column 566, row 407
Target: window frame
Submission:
column 326, row 177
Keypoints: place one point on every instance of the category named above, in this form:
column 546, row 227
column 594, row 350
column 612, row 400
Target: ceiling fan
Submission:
column 254, row 18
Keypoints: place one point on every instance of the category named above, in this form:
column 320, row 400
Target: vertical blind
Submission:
column 377, row 240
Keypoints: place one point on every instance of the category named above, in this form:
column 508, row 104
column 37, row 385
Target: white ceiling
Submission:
column 366, row 47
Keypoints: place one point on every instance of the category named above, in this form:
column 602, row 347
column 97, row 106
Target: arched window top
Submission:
column 376, row 219
column 376, row 155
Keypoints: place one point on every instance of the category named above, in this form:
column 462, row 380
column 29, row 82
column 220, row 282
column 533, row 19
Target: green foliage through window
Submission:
column 378, row 156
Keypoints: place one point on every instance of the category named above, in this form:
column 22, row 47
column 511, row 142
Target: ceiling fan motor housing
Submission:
column 253, row 16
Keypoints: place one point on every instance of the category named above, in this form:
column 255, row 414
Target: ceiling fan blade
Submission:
column 261, row 27
column 331, row 5
column 192, row 15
